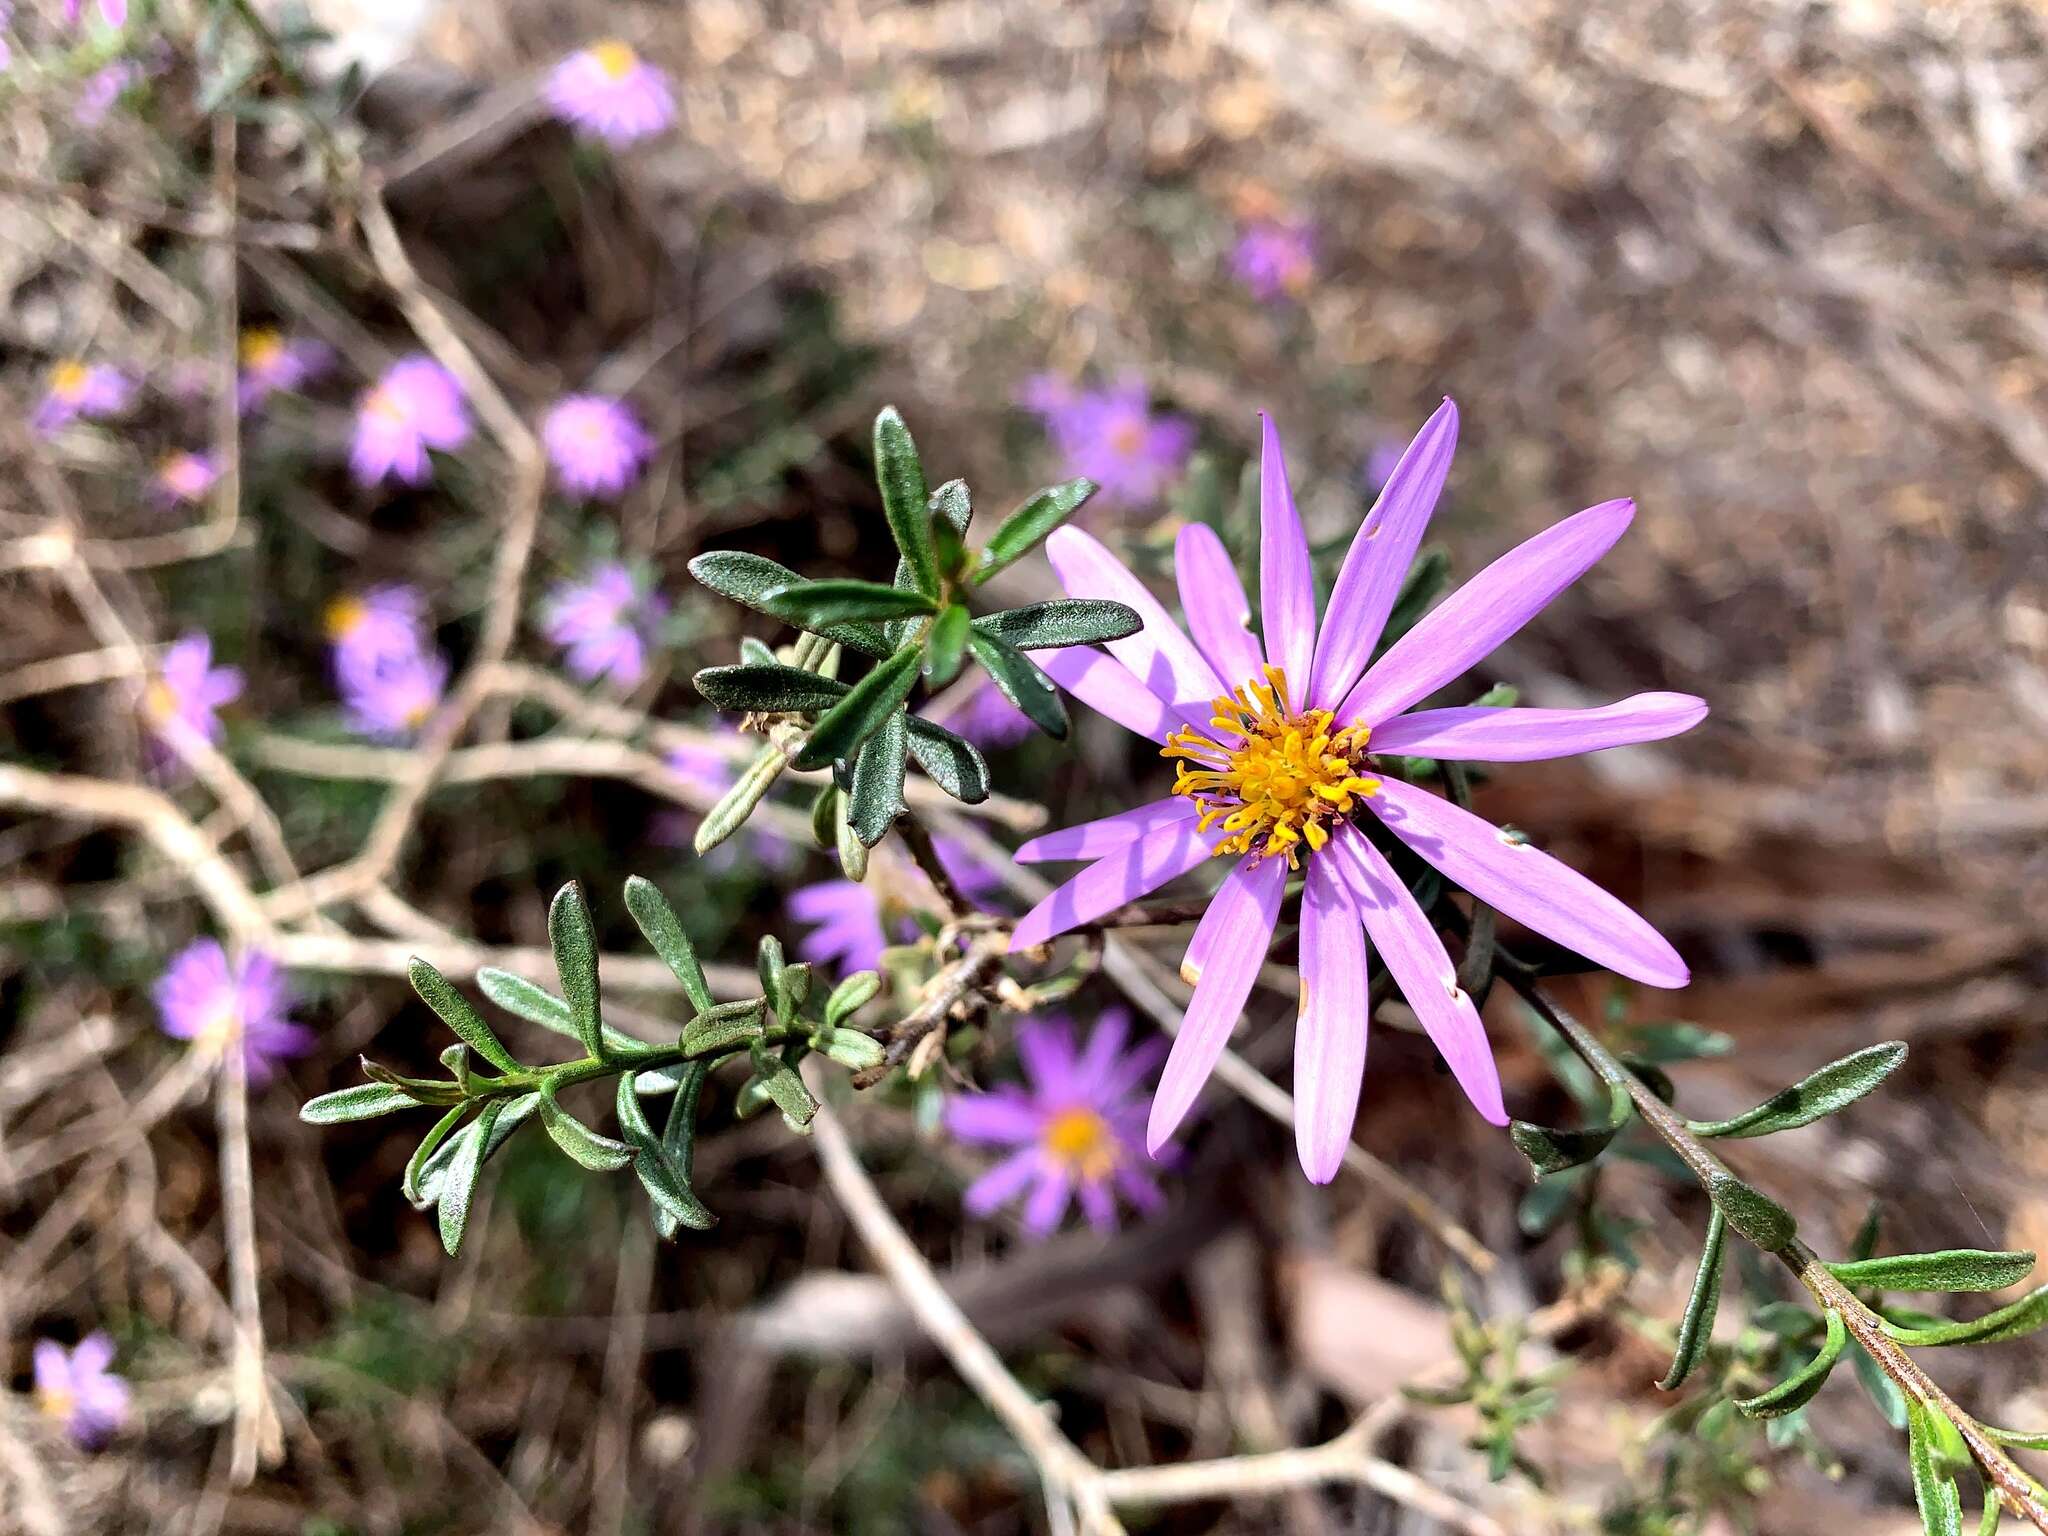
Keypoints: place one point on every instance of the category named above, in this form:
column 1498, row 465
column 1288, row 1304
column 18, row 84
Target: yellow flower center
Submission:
column 1127, row 438
column 1081, row 1141
column 343, row 615
column 615, row 59
column 56, row 1402
column 219, row 1032
column 158, row 702
column 1273, row 778
column 385, row 405
column 261, row 348
column 67, row 379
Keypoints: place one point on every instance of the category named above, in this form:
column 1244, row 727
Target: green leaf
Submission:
column 2026, row 1440
column 772, row 689
column 905, row 501
column 953, row 505
column 1834, row 1086
column 534, row 1003
column 439, row 994
column 600, row 1154
column 2015, row 1321
column 465, row 1169
column 664, row 933
column 456, row 1061
column 748, row 579
column 737, row 804
column 863, row 711
column 851, row 852
column 1798, row 1389
column 412, row 1186
column 779, row 1081
column 1939, row 1499
column 1696, row 1328
column 666, row 1188
column 1024, row 529
column 946, row 643
column 365, row 1101
column 877, row 792
column 575, row 945
column 852, row 1049
column 851, row 995
column 954, row 763
column 1021, row 682
column 1993, row 1511
column 1755, row 1215
column 1062, row 622
column 719, row 1029
column 1551, row 1150
column 1880, row 1388
column 817, row 605
column 1951, row 1269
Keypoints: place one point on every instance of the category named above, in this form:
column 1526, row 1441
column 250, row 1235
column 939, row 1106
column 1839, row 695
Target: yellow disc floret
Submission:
column 615, row 59
column 1273, row 778
column 1081, row 1142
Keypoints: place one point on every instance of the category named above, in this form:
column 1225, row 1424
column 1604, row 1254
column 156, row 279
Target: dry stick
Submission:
column 624, row 1351
column 257, row 1437
column 76, row 670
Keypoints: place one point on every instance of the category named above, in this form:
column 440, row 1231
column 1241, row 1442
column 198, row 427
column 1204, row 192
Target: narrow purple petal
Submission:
column 52, row 1366
column 1412, row 951
column 1048, row 1202
column 1287, row 586
column 1046, row 1052
column 1470, row 623
column 1094, row 839
column 1110, row 882
column 95, row 1352
column 1140, row 1188
column 1105, row 1044
column 1002, row 1183
column 1002, row 1116
column 1381, row 552
column 1233, row 935
column 1158, row 655
column 1218, row 612
column 1098, row 1204
column 1527, row 884
column 1329, row 1036
column 1487, row 735
column 1106, row 686
column 1133, row 1070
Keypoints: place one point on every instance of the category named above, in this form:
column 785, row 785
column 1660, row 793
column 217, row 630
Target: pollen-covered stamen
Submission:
column 1274, row 779
column 1081, row 1142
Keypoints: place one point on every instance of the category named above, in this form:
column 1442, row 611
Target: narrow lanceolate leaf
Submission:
column 737, row 803
column 2022, row 1317
column 851, row 995
column 1019, row 680
column 465, row 1169
column 717, row 1030
column 787, row 1092
column 953, row 504
column 575, row 945
column 1878, row 1387
column 439, row 994
column 679, row 1134
column 748, row 579
column 877, row 792
column 365, row 1101
column 954, row 763
column 674, row 1203
column 1026, row 528
column 817, row 605
column 1935, row 1491
column 773, row 689
column 1952, row 1269
column 946, row 644
column 905, row 501
column 663, row 931
column 1696, row 1328
column 2026, row 1440
column 534, row 1003
column 413, row 1186
column 1798, row 1389
column 1833, row 1087
column 1063, row 621
column 1752, row 1213
column 1551, row 1150
column 852, row 1049
column 600, row 1154
column 863, row 711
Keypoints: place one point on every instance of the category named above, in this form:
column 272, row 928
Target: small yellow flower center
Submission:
column 219, row 1032
column 1081, row 1141
column 56, row 1402
column 1273, row 778
column 158, row 702
column 343, row 615
column 615, row 59
column 261, row 348
column 385, row 405
column 416, row 716
column 1128, row 438
column 67, row 379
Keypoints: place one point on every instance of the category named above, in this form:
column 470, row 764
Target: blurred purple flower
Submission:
column 184, row 477
column 369, row 629
column 102, row 89
column 1381, row 462
column 189, row 688
column 980, row 712
column 417, row 405
column 272, row 362
column 711, row 774
column 204, row 998
column 596, row 444
column 81, row 391
column 1077, row 1126
column 115, row 12
column 78, row 1389
column 852, row 921
column 1112, row 436
column 609, row 91
column 1275, row 258
column 393, row 696
column 606, row 623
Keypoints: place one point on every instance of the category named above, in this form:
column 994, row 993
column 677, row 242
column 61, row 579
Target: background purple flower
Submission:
column 1076, row 1126
column 606, row 624
column 979, row 711
column 113, row 12
column 184, row 477
column 205, row 998
column 81, row 391
column 609, row 91
column 596, row 444
column 188, row 687
column 854, row 921
column 1112, row 436
column 368, row 629
column 394, row 696
column 272, row 362
column 1275, row 258
column 102, row 89
column 78, row 1388
column 416, row 406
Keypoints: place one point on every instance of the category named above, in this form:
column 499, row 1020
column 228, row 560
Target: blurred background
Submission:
column 1775, row 270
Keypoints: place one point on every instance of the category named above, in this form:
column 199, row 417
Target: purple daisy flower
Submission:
column 1276, row 744
column 1077, row 1126
column 417, row 405
column 272, row 363
column 1113, row 437
column 102, row 89
column 78, row 1388
column 609, row 91
column 596, row 444
column 184, row 478
column 980, row 712
column 852, row 922
column 189, row 688
column 1275, row 259
column 392, row 696
column 369, row 629
column 80, row 391
column 205, row 998
column 606, row 624
column 113, row 12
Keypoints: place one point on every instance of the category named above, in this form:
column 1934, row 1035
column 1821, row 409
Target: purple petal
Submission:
column 1287, row 586
column 95, row 1352
column 1381, row 552
column 1233, row 935
column 1218, row 612
column 1110, row 882
column 1002, row 1183
column 1046, row 1052
column 1005, row 1116
column 1094, row 839
column 1140, row 1188
column 52, row 1366
column 1105, row 1044
column 1525, row 735
column 1158, row 655
column 1133, row 1070
column 1476, row 618
column 1429, row 982
column 1527, row 884
column 1106, row 686
column 1098, row 1204
column 1329, row 1036
column 1048, row 1202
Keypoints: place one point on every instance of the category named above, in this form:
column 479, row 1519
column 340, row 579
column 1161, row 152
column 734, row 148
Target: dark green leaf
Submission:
column 600, row 1154
column 1696, row 1328
column 945, row 644
column 954, row 763
column 1675, row 1040
column 851, row 1049
column 953, row 505
column 1798, row 1389
column 769, row 963
column 1833, row 1087
column 779, row 1081
column 440, row 995
column 1018, row 678
column 817, row 605
column 863, row 711
column 905, row 501
column 1550, row 1150
column 877, row 793
column 1880, row 1388
column 748, row 579
column 664, row 933
column 1024, row 529
column 365, row 1101
column 412, row 1186
column 721, row 1028
column 679, row 1135
column 534, row 1003
column 1063, row 621
column 1952, row 1269
column 657, row 1172
column 1654, row 1077
column 575, row 946
column 2015, row 1321
column 851, row 995
column 1939, row 1499
column 1755, row 1215
column 769, row 689
column 458, row 1187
